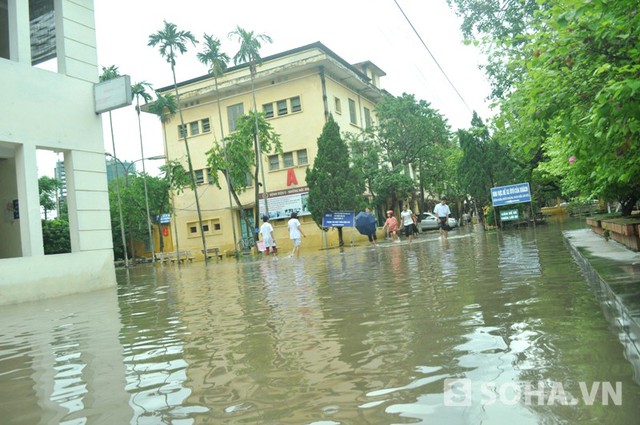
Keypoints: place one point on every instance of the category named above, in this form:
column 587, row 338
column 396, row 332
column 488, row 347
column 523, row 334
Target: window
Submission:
column 302, row 157
column 193, row 230
column 367, row 118
column 338, row 105
column 194, row 128
column 199, row 176
column 205, row 227
column 182, row 131
column 210, row 176
column 282, row 107
column 206, row 125
column 287, row 159
column 274, row 162
column 352, row 112
column 248, row 180
column 267, row 108
column 215, row 223
column 295, row 104
column 233, row 113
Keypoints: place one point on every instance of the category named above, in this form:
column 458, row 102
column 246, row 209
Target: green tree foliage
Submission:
column 48, row 188
column 171, row 42
column 55, row 236
column 241, row 154
column 574, row 111
column 334, row 185
column 409, row 130
column 134, row 208
column 502, row 26
column 250, row 44
column 483, row 164
column 410, row 135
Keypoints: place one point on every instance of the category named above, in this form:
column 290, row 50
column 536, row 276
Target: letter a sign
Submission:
column 291, row 177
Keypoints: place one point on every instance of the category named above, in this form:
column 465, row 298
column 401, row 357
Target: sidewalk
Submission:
column 614, row 274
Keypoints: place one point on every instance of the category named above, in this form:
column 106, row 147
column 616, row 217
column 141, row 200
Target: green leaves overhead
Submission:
column 170, row 42
column 576, row 95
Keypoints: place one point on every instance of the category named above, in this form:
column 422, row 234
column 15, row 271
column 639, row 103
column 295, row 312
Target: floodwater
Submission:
column 484, row 328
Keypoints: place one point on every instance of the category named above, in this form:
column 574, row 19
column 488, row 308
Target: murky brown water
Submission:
column 368, row 336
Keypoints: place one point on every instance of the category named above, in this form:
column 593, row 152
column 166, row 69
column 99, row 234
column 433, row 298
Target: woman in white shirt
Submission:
column 407, row 222
column 294, row 233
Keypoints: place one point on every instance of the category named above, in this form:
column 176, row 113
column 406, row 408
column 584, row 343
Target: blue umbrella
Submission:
column 365, row 223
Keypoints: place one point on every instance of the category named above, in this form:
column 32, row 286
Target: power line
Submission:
column 432, row 57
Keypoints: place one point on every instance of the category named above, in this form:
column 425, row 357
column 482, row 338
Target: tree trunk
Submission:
column 257, row 187
column 627, row 204
column 237, row 199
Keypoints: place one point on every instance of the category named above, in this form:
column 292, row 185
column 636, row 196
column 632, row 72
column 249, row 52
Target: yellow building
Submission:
column 296, row 90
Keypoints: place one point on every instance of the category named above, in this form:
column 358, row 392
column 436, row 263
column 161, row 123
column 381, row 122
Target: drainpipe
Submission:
column 325, row 101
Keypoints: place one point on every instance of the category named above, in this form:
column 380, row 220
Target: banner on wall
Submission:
column 283, row 202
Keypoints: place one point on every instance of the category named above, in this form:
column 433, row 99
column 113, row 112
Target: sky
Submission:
column 356, row 30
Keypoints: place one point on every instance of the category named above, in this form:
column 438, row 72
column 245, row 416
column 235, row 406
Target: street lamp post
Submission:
column 126, row 169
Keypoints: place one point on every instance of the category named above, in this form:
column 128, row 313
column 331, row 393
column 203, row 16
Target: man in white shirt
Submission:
column 442, row 211
column 266, row 230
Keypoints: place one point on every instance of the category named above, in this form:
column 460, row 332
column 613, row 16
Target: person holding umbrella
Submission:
column 366, row 224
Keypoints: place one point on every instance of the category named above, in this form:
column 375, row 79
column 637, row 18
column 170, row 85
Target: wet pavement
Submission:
column 614, row 274
column 483, row 328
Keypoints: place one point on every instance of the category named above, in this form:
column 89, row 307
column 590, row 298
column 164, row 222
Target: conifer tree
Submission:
column 334, row 185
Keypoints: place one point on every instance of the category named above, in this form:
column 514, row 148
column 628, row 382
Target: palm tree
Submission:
column 171, row 42
column 109, row 73
column 139, row 90
column 165, row 106
column 249, row 52
column 217, row 62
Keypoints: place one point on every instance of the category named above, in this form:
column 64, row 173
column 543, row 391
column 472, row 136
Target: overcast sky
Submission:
column 356, row 30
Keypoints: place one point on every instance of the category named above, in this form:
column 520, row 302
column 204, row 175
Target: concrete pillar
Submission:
column 20, row 30
column 29, row 199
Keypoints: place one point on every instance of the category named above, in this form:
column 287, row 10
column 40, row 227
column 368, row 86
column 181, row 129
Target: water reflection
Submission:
column 363, row 335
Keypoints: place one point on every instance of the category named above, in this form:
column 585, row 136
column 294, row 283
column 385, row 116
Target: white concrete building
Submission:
column 51, row 110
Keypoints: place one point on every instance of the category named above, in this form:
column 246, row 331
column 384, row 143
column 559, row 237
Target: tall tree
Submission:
column 412, row 136
column 479, row 167
column 249, row 53
column 48, row 188
column 236, row 162
column 334, row 185
column 171, row 42
column 217, row 62
column 109, row 73
column 139, row 90
column 165, row 107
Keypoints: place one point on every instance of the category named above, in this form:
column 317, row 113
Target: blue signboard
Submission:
column 507, row 195
column 164, row 218
column 338, row 219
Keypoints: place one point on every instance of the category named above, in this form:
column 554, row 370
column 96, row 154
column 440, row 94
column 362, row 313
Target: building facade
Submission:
column 297, row 90
column 51, row 110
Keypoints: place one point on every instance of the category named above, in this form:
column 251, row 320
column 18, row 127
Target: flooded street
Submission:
column 484, row 328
